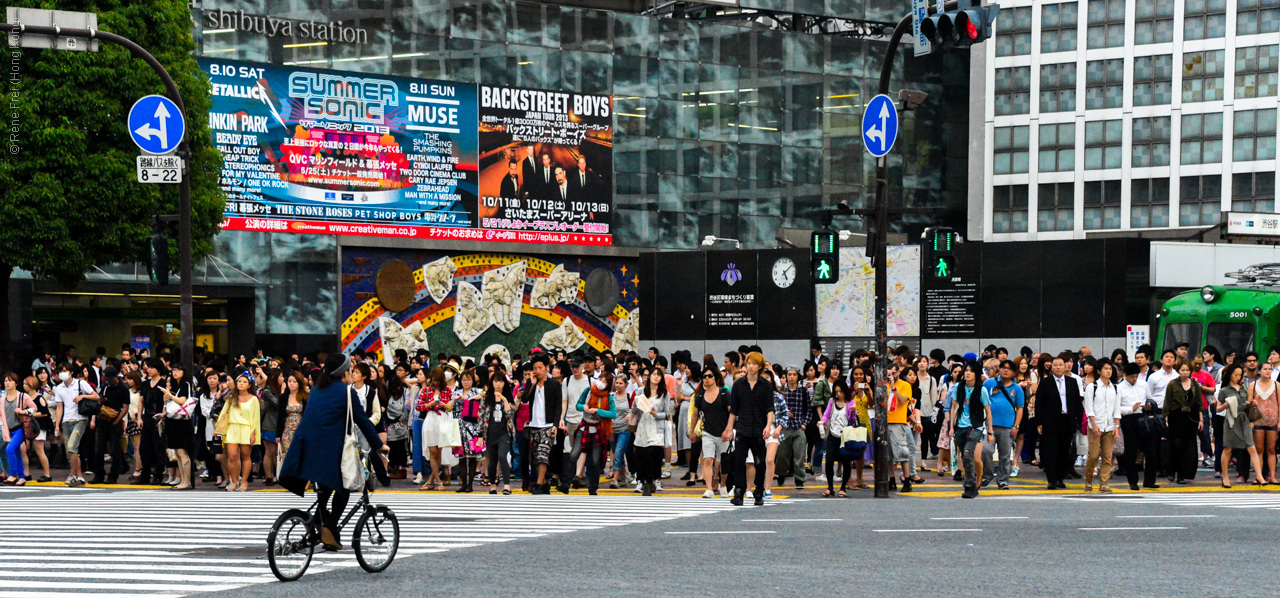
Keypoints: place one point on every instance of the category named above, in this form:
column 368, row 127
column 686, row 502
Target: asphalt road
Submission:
column 1142, row 544
column 861, row 548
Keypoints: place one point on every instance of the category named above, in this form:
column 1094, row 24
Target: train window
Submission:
column 1231, row 335
column 1181, row 332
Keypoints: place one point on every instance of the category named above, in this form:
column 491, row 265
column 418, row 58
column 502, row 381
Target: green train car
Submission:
column 1241, row 316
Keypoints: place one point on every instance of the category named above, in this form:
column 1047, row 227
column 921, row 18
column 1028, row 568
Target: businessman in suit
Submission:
column 581, row 187
column 546, row 184
column 1059, row 411
column 529, row 171
column 510, row 188
column 560, row 189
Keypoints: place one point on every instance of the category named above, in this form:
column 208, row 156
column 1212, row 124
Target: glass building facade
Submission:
column 720, row 128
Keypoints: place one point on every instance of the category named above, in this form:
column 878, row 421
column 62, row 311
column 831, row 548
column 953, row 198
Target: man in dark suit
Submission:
column 543, row 395
column 546, row 184
column 510, row 188
column 1059, row 411
column 581, row 187
column 529, row 171
column 560, row 189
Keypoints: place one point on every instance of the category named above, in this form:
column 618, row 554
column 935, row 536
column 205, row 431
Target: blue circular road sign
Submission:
column 880, row 125
column 156, row 125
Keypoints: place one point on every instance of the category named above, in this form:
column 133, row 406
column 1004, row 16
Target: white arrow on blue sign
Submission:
column 156, row 125
column 880, row 125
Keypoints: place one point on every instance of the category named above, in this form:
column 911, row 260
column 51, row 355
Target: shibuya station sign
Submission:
column 239, row 20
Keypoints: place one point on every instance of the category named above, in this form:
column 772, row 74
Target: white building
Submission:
column 1105, row 117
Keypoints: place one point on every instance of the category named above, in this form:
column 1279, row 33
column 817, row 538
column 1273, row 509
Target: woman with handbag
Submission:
column 240, row 426
column 862, row 397
column 1237, row 429
column 319, row 450
column 295, row 404
column 466, row 410
column 1182, row 403
column 1263, row 394
column 497, row 427
column 435, row 402
column 840, row 413
column 624, row 424
column 43, row 420
column 710, row 415
column 397, row 420
column 653, row 404
column 15, row 423
column 179, row 431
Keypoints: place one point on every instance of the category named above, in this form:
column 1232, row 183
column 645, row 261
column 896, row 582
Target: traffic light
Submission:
column 940, row 242
column 159, row 246
column 825, row 256
column 961, row 28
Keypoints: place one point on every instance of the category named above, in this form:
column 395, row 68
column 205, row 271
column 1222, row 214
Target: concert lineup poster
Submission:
column 546, row 163
column 316, row 151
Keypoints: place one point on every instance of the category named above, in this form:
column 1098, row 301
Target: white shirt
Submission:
column 1131, row 394
column 538, row 415
column 1158, row 383
column 66, row 395
column 1062, row 391
column 573, row 388
column 1102, row 403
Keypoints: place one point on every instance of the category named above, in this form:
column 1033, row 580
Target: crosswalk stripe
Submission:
column 1235, row 500
column 199, row 540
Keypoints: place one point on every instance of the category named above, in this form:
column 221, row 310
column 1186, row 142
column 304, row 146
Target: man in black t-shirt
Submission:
column 751, row 418
column 109, row 424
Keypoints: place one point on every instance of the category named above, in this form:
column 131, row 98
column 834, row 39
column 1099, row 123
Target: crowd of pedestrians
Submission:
column 737, row 422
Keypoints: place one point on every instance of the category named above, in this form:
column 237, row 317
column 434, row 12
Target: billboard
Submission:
column 346, row 153
column 546, row 162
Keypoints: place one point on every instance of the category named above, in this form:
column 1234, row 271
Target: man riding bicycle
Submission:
column 315, row 455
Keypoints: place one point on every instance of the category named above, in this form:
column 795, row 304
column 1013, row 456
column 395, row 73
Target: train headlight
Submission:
column 1208, row 294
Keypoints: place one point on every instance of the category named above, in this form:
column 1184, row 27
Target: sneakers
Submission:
column 71, row 481
column 1014, row 473
column 768, row 494
column 822, row 477
column 759, row 502
column 613, row 485
column 724, row 492
column 657, row 486
column 970, row 492
column 957, row 476
column 736, row 501
column 986, row 482
column 639, row 487
column 417, row 479
column 666, row 474
column 709, row 494
column 1079, row 461
column 1003, row 486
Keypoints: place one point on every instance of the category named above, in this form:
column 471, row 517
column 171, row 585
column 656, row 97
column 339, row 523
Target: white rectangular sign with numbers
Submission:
column 159, row 169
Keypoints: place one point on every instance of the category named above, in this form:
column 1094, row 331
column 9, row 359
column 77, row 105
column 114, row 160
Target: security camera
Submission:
column 708, row 240
column 843, row 205
column 911, row 98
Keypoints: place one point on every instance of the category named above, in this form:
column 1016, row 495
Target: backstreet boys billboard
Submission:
column 546, row 163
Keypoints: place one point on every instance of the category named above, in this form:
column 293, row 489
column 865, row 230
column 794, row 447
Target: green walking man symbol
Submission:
column 942, row 268
column 824, row 270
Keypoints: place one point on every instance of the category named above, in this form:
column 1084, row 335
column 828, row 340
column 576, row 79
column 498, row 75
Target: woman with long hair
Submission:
column 179, row 429
column 43, row 418
column 18, row 407
column 466, row 409
column 293, row 403
column 1237, row 430
column 241, row 426
column 862, row 397
column 133, row 427
column 397, row 420
column 970, row 419
column 840, row 413
column 623, row 434
column 210, row 405
column 653, row 403
column 435, row 402
column 1022, row 377
column 497, row 427
column 945, row 438
column 1263, row 394
column 598, row 413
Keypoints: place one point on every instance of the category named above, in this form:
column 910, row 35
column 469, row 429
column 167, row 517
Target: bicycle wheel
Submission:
column 376, row 539
column 290, row 545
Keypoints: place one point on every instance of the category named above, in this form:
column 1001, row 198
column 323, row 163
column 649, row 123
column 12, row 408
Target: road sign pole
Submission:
column 882, row 461
column 185, row 314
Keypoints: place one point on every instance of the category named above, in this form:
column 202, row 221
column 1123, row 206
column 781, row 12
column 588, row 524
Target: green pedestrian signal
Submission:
column 824, row 256
column 944, row 266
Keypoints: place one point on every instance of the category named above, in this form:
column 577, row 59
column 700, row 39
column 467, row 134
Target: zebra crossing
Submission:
column 162, row 544
column 1226, row 500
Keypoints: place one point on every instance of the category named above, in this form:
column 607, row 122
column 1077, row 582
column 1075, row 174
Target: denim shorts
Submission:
column 72, row 431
